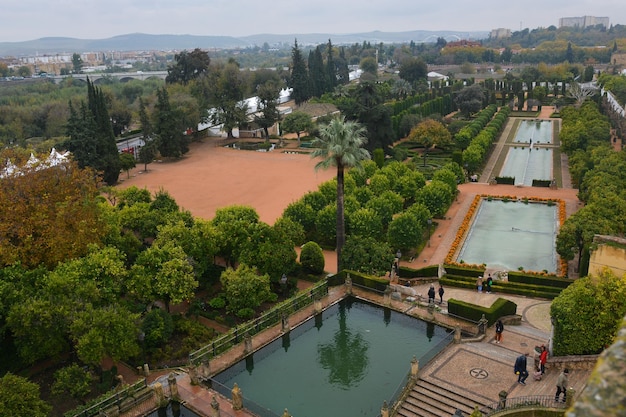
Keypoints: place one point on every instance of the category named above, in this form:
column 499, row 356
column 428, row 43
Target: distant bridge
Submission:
column 97, row 77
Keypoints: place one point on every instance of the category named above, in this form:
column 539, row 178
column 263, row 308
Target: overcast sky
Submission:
column 22, row 20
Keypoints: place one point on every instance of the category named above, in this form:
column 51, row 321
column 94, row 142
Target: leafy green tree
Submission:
column 105, row 332
column 199, row 242
column 368, row 255
column 430, row 134
column 267, row 97
column 269, row 251
column 299, row 77
column 188, row 66
column 127, row 162
column 326, row 225
column 233, row 224
column 163, row 273
column 365, row 222
column 436, row 196
column 369, row 66
column 312, row 258
column 404, row 232
column 225, row 87
column 340, row 145
column 245, row 288
column 148, row 152
column 584, row 324
column 576, row 233
column 20, row 398
column 297, row 122
column 302, row 214
column 470, row 99
column 290, row 229
column 168, row 127
column 77, row 63
column 413, row 70
column 448, row 177
column 72, row 380
column 157, row 327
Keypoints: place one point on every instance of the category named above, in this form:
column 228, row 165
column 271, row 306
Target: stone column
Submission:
column 457, row 335
column 318, row 306
column 146, row 369
column 285, row 323
column 247, row 344
column 193, row 375
column 384, row 411
column 415, row 367
column 571, row 394
column 237, row 397
column 387, row 296
column 171, row 382
column 348, row 285
column 215, row 408
column 159, row 395
column 502, row 399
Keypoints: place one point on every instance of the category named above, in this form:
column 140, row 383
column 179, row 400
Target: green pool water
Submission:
column 344, row 362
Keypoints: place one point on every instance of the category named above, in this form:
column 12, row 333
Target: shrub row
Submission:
column 440, row 105
column 510, row 287
column 428, row 272
column 473, row 312
column 480, row 144
column 359, row 278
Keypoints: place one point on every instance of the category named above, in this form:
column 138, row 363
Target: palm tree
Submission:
column 340, row 144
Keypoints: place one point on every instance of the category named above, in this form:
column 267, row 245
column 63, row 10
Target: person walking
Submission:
column 441, row 291
column 561, row 385
column 499, row 330
column 479, row 283
column 431, row 294
column 489, row 283
column 543, row 358
column 521, row 368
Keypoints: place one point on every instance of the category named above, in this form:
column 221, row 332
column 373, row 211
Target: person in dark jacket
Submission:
column 441, row 291
column 499, row 330
column 431, row 294
column 520, row 368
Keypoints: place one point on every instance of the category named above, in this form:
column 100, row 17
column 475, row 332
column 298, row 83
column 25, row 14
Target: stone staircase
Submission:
column 430, row 398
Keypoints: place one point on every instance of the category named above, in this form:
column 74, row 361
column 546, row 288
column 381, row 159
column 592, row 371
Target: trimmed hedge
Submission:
column 428, row 272
column 358, row 278
column 519, row 277
column 530, row 290
column 501, row 307
column 505, row 180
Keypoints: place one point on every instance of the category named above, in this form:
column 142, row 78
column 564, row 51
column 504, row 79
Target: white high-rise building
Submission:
column 583, row 21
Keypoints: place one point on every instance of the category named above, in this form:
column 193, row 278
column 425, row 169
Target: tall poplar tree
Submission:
column 331, row 69
column 299, row 76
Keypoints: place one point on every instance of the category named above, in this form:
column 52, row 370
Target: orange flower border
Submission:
column 467, row 222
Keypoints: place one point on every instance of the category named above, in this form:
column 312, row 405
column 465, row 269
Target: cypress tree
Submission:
column 91, row 139
column 299, row 76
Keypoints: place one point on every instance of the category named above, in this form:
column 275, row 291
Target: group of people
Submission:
column 521, row 366
column 431, row 294
column 521, row 371
column 488, row 284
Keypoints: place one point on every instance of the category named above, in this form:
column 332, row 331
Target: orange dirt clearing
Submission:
column 210, row 177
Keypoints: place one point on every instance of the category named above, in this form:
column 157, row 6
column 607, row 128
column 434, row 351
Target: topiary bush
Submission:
column 158, row 327
column 312, row 258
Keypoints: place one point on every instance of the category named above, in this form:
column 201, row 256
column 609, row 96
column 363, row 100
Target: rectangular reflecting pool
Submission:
column 345, row 362
column 535, row 131
column 512, row 235
column 527, row 164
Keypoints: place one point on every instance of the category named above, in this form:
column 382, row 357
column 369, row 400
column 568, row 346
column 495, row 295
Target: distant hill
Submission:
column 142, row 42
